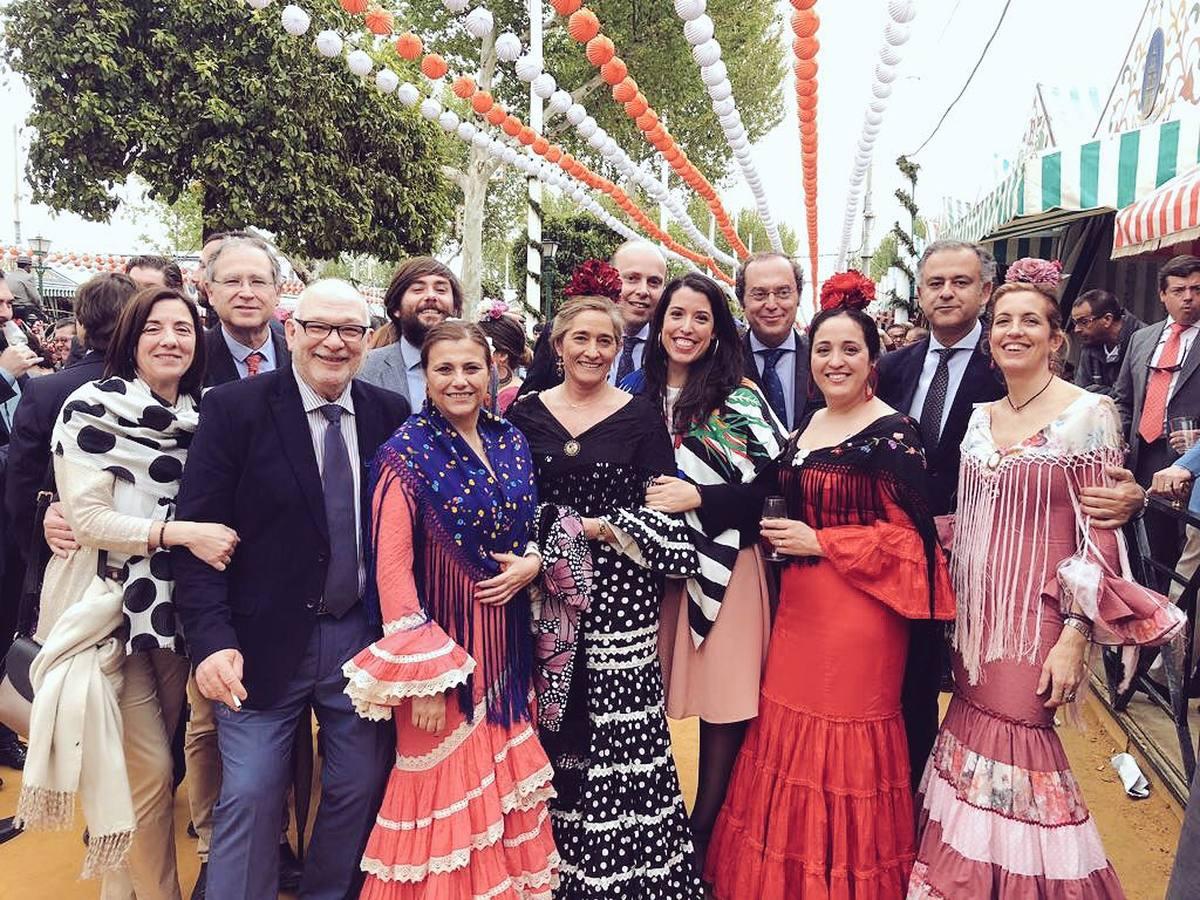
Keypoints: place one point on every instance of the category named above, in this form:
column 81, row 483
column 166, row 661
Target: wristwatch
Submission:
column 604, row 532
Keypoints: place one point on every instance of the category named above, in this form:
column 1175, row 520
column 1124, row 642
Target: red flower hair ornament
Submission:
column 594, row 278
column 849, row 290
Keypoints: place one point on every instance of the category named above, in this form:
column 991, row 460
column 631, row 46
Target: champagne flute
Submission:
column 774, row 508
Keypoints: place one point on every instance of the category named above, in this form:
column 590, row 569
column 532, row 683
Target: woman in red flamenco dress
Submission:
column 465, row 811
column 820, row 804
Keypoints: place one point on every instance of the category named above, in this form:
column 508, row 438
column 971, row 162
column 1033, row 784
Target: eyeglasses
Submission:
column 256, row 284
column 1170, row 370
column 350, row 334
column 760, row 294
column 1085, row 321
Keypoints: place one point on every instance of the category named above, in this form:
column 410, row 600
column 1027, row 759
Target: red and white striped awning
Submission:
column 1170, row 215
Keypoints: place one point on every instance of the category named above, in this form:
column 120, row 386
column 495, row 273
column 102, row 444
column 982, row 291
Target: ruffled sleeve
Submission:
column 415, row 657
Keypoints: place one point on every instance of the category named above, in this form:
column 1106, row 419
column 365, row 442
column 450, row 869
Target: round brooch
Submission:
column 993, row 461
column 571, row 448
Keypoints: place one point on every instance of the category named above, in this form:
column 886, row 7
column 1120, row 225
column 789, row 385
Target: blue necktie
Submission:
column 773, row 387
column 625, row 366
column 337, row 479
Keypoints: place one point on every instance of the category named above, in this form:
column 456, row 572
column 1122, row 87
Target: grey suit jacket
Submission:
column 24, row 288
column 384, row 368
column 1129, row 393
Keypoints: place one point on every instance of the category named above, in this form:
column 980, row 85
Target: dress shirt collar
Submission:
column 410, row 353
column 1166, row 332
column 313, row 401
column 788, row 344
column 969, row 341
column 643, row 335
column 241, row 352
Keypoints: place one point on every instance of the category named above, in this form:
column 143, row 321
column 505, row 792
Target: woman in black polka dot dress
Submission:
column 119, row 450
column 619, row 819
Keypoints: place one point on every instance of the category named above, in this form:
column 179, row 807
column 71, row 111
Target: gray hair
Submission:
column 987, row 262
column 250, row 241
column 332, row 289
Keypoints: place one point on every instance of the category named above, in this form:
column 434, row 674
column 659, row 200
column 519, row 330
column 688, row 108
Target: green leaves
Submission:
column 196, row 92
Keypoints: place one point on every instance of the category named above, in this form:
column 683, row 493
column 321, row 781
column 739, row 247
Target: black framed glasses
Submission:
column 350, row 334
column 1170, row 370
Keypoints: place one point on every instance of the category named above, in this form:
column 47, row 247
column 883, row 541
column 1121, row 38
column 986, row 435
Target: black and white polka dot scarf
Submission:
column 123, row 428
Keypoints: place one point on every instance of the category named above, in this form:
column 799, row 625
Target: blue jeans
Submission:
column 256, row 766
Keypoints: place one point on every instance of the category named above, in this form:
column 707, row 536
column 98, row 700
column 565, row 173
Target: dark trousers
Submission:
column 919, row 692
column 1185, row 876
column 256, row 763
column 1164, row 532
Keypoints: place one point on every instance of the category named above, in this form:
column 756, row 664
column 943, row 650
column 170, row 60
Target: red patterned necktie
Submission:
column 1154, row 410
column 253, row 361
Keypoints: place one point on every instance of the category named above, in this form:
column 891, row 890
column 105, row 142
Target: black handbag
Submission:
column 16, row 689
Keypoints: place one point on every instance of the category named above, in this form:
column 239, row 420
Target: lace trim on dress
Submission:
column 371, row 696
column 626, row 820
column 639, row 872
column 405, row 623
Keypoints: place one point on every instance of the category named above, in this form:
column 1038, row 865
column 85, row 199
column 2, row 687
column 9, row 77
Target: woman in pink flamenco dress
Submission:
column 465, row 811
column 1001, row 814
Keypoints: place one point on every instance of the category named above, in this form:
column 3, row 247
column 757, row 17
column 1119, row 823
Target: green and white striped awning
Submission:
column 1054, row 186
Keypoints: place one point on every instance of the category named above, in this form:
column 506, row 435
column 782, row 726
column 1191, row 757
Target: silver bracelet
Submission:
column 1080, row 624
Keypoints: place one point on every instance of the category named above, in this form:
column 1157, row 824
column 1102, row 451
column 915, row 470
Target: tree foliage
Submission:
column 195, row 94
column 580, row 237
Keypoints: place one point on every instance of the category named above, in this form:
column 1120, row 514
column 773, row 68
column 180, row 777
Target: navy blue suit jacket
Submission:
column 251, row 466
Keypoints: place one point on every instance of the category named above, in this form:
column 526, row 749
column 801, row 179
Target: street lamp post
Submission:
column 549, row 251
column 39, row 246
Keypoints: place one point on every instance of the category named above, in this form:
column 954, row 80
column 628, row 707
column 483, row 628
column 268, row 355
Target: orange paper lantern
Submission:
column 636, row 106
column 808, row 115
column 805, row 23
column 496, row 114
column 566, row 7
column 380, row 21
column 806, row 48
column 808, row 128
column 806, row 88
column 408, row 46
column 512, row 126
column 482, row 102
column 540, row 146
column 805, row 69
column 647, row 120
column 526, row 136
column 600, row 50
column 614, row 71
column 583, row 25
column 625, row 91
column 553, row 153
column 434, row 66
column 355, row 7
column 464, row 86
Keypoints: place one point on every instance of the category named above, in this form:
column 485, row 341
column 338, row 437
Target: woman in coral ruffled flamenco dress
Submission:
column 820, row 804
column 465, row 813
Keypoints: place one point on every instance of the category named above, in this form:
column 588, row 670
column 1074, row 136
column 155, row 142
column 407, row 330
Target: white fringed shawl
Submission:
column 1001, row 561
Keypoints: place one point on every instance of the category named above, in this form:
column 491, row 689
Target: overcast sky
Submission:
column 1057, row 42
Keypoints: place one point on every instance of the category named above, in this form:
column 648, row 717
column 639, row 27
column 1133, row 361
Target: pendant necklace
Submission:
column 1019, row 407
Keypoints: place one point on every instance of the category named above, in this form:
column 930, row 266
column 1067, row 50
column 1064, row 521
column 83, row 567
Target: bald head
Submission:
column 327, row 335
column 332, row 291
column 643, row 271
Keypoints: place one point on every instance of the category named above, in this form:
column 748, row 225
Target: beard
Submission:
column 413, row 329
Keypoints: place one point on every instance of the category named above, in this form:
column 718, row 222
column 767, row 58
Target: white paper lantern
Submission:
column 699, row 30
column 896, row 34
column 889, row 55
column 359, row 63
column 448, row 120
column 456, row 6
column 879, row 105
column 596, row 139
column 430, row 108
column 560, row 101
column 509, row 155
column 611, row 147
column 576, row 114
column 466, row 131
column 259, row 4
column 689, row 9
column 508, row 47
column 707, row 53
column 386, row 80
column 872, row 117
column 544, row 85
column 724, row 107
column 881, row 91
column 715, row 74
column 886, row 74
column 329, row 44
column 482, row 140
column 295, row 21
column 408, row 94
column 872, row 130
column 586, row 127
column 479, row 22
column 609, row 152
column 528, row 67
column 902, row 10
column 721, row 90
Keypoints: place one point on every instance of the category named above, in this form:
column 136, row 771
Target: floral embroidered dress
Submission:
column 820, row 803
column 1001, row 813
column 464, row 814
column 619, row 817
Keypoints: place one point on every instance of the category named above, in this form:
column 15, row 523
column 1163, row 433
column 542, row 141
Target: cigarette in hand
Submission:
column 236, row 704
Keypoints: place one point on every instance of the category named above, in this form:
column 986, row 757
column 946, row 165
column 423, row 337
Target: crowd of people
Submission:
column 493, row 574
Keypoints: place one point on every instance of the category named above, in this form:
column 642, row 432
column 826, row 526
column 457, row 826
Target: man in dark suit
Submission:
column 1158, row 381
column 282, row 459
column 768, row 287
column 938, row 382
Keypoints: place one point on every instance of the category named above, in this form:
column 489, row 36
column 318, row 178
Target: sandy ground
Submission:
column 1140, row 836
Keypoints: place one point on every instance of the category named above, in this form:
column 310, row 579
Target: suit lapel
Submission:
column 974, row 388
column 296, row 439
column 221, row 367
column 1190, row 362
column 283, row 357
column 751, row 366
column 910, row 377
column 1140, row 364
